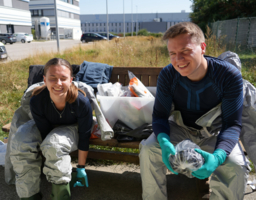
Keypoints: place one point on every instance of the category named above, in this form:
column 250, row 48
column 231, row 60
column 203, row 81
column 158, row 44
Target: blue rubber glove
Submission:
column 167, row 149
column 212, row 161
column 81, row 177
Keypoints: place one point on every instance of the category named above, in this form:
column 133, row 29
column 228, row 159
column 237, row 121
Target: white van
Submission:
column 23, row 37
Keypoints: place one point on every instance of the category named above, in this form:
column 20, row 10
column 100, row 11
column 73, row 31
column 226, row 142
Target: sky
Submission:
column 132, row 6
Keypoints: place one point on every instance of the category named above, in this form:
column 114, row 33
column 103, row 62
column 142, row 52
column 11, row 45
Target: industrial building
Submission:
column 68, row 16
column 15, row 16
column 153, row 22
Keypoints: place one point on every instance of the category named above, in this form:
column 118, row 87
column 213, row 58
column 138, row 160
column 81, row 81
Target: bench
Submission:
column 148, row 76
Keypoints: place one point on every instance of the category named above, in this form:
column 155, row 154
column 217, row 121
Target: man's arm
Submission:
column 163, row 103
column 232, row 107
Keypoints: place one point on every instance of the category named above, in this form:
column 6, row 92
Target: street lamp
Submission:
column 57, row 27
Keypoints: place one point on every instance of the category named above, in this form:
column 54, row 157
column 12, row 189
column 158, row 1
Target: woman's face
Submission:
column 58, row 81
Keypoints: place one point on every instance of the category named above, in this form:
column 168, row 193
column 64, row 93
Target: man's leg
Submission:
column 152, row 169
column 229, row 180
column 26, row 160
column 56, row 148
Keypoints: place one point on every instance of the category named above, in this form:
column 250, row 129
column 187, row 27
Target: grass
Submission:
column 131, row 51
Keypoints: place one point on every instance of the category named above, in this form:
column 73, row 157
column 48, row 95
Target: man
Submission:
column 207, row 95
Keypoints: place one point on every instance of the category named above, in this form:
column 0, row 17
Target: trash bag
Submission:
column 186, row 160
column 124, row 133
column 137, row 87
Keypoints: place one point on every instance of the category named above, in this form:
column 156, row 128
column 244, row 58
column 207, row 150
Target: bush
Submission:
column 143, row 32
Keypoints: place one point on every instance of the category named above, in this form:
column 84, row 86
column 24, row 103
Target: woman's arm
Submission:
column 82, row 156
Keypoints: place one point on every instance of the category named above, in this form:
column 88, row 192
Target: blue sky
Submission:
column 143, row 6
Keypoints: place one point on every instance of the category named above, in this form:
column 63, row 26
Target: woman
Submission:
column 62, row 123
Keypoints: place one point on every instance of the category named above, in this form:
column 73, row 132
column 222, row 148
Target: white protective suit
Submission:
column 229, row 180
column 23, row 161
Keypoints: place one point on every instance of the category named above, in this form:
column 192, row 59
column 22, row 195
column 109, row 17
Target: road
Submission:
column 19, row 51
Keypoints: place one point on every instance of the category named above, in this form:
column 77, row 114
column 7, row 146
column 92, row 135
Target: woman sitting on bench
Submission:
column 62, row 123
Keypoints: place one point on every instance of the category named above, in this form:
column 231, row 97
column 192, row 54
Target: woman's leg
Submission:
column 56, row 148
column 26, row 160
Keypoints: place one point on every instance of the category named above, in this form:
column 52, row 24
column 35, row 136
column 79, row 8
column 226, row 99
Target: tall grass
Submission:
column 131, row 51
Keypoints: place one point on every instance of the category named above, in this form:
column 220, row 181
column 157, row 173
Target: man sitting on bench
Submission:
column 198, row 86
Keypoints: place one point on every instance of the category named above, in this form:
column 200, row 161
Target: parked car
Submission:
column 3, row 52
column 111, row 36
column 90, row 37
column 7, row 38
column 23, row 37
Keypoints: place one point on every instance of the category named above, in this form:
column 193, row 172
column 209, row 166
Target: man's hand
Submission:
column 81, row 178
column 212, row 161
column 167, row 149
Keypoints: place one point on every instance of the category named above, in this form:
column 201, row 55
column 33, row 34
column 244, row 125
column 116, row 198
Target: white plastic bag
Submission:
column 3, row 147
column 137, row 87
column 186, row 160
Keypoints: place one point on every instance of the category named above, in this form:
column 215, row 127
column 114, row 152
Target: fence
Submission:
column 238, row 32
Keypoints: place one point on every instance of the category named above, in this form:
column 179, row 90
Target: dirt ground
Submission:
column 117, row 182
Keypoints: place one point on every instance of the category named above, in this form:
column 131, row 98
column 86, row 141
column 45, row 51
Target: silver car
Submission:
column 23, row 37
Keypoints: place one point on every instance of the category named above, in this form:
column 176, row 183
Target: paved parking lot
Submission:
column 19, row 51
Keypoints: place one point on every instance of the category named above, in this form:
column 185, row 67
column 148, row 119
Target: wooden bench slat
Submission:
column 111, row 155
column 153, row 80
column 121, row 79
column 6, row 128
column 137, row 70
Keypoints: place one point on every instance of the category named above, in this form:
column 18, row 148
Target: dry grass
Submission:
column 131, row 51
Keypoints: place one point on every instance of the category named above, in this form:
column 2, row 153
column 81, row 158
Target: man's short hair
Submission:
column 184, row 28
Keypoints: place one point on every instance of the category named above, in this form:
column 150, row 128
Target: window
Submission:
column 85, row 24
column 71, row 15
column 119, row 24
column 116, row 24
column 100, row 24
column 48, row 12
column 8, row 3
column 88, row 24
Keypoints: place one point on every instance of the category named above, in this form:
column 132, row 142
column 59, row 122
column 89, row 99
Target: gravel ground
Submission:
column 117, row 182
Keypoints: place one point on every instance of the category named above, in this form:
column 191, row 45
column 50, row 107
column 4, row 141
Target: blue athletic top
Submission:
column 222, row 84
column 46, row 117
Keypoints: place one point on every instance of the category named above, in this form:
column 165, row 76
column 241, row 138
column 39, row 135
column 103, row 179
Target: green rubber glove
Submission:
column 167, row 149
column 212, row 161
column 81, row 177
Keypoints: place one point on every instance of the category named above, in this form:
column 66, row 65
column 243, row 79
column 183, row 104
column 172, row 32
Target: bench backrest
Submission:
column 147, row 75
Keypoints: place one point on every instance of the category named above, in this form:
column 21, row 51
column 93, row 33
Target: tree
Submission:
column 207, row 11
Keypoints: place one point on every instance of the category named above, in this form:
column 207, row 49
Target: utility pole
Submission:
column 107, row 19
column 57, row 27
column 136, row 20
column 132, row 23
column 124, row 20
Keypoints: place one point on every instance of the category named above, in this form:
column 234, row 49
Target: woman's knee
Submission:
column 27, row 138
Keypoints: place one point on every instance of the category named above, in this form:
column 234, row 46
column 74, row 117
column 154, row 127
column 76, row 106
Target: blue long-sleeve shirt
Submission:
column 46, row 117
column 221, row 84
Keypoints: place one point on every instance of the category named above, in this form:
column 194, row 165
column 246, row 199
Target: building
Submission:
column 68, row 16
column 153, row 22
column 15, row 16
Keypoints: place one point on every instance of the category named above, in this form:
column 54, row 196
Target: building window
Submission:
column 49, row 12
column 119, row 24
column 88, row 24
column 8, row 3
column 104, row 24
column 116, row 24
column 100, row 24
column 92, row 24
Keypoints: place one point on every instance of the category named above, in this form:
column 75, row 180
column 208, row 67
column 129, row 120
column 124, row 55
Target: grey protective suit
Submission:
column 23, row 161
column 228, row 181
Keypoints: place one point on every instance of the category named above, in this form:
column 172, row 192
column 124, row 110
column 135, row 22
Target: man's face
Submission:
column 187, row 56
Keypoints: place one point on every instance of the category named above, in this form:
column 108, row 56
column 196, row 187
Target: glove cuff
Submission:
column 162, row 137
column 80, row 169
column 221, row 156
